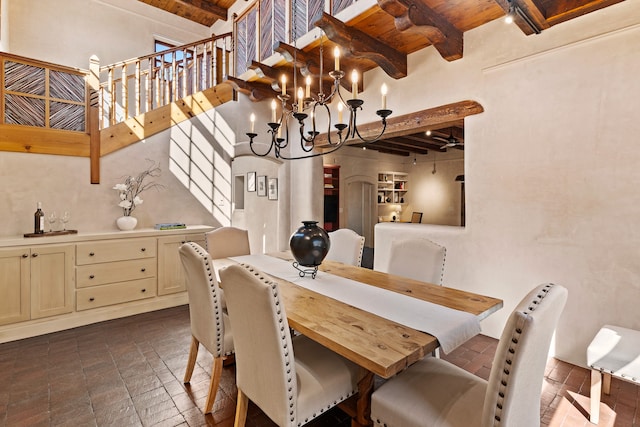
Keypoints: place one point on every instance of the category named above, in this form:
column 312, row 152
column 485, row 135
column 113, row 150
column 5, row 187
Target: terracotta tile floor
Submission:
column 128, row 372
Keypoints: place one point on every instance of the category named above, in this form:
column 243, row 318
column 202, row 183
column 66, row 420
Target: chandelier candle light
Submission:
column 304, row 106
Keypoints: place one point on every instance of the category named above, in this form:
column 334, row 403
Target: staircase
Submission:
column 53, row 109
column 146, row 95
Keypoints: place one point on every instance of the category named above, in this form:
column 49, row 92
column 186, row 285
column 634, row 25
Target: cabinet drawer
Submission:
column 115, row 293
column 115, row 250
column 118, row 271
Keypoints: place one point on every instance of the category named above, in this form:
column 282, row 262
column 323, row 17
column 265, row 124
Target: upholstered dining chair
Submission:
column 226, row 242
column 209, row 324
column 292, row 380
column 346, row 247
column 435, row 392
column 419, row 259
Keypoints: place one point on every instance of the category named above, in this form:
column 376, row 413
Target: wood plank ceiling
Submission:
column 385, row 34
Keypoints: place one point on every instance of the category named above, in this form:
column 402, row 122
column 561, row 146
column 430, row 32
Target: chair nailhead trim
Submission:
column 502, row 389
column 205, row 259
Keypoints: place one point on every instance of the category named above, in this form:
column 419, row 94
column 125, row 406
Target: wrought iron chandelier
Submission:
column 305, row 106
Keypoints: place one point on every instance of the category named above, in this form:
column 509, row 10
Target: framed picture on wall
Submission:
column 251, row 181
column 262, row 185
column 273, row 188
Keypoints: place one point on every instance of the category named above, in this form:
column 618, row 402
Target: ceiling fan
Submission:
column 450, row 141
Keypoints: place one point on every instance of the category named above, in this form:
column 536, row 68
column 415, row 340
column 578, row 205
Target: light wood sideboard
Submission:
column 54, row 283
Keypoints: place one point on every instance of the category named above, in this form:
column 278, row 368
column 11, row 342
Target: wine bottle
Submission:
column 39, row 220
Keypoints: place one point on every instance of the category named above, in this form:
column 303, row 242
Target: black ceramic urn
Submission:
column 309, row 244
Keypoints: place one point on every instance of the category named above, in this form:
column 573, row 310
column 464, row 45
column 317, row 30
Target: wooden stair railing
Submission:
column 53, row 109
column 135, row 86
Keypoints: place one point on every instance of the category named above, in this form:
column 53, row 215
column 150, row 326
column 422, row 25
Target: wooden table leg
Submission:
column 363, row 404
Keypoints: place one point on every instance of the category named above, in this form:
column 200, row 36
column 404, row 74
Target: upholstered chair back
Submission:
column 227, row 242
column 346, row 247
column 265, row 365
column 419, row 259
column 513, row 393
column 205, row 309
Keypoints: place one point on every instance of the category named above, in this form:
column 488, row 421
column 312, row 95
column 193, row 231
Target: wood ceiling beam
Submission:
column 416, row 17
column 256, row 91
column 309, row 65
column 410, row 145
column 418, row 121
column 361, row 45
column 383, row 148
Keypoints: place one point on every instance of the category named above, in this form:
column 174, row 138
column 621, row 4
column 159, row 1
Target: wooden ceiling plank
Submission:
column 207, row 7
column 419, row 147
column 361, row 45
column 564, row 10
column 417, row 17
column 203, row 12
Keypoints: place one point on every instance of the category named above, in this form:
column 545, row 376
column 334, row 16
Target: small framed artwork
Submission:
column 251, row 181
column 262, row 185
column 273, row 188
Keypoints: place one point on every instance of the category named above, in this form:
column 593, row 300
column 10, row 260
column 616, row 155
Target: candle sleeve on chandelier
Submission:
column 273, row 111
column 383, row 91
column 283, row 83
column 252, row 119
column 336, row 56
column 340, row 107
column 354, row 84
column 300, row 99
column 307, row 81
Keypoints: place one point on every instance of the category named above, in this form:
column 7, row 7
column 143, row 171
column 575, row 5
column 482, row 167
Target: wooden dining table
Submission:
column 380, row 346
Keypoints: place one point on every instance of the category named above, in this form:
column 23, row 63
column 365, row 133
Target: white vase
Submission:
column 126, row 223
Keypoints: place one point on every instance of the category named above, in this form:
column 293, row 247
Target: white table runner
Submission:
column 451, row 327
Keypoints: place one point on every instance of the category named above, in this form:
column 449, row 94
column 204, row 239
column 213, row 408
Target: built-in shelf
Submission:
column 392, row 188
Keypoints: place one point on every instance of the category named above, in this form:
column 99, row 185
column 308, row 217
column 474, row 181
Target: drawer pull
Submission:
column 92, row 276
column 91, row 299
column 143, row 249
column 143, row 269
column 144, row 290
column 91, row 254
column 34, row 255
column 25, row 255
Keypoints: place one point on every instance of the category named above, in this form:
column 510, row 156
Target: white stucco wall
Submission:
column 550, row 166
column 68, row 32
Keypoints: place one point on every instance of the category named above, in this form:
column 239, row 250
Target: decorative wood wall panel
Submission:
column 266, row 29
column 24, row 110
column 252, row 34
column 24, row 78
column 299, row 19
column 279, row 21
column 66, row 86
column 66, row 116
column 340, row 5
column 314, row 12
column 241, row 46
column 43, row 97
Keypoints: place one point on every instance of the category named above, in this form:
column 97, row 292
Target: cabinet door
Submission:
column 52, row 280
column 170, row 275
column 14, row 285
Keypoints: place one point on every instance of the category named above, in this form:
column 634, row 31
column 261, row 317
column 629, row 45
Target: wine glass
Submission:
column 64, row 218
column 52, row 218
